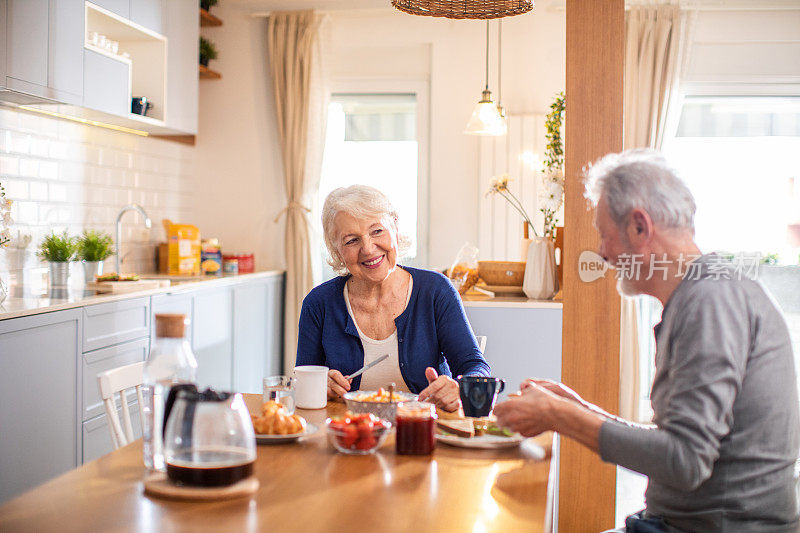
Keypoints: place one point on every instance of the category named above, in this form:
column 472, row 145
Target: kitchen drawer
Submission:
column 97, row 436
column 113, row 323
column 105, row 359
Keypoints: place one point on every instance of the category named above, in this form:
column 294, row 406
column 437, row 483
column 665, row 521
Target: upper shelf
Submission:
column 207, row 19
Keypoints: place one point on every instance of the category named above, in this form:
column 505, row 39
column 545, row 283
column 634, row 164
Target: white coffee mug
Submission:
column 311, row 391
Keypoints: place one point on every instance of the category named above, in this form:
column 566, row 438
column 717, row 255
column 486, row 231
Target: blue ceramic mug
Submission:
column 478, row 394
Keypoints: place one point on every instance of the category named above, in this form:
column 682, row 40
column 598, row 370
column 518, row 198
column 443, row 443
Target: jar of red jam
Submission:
column 416, row 428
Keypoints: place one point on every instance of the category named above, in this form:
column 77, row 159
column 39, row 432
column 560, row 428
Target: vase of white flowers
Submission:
column 541, row 280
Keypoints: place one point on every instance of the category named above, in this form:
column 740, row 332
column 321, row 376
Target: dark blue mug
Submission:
column 478, row 394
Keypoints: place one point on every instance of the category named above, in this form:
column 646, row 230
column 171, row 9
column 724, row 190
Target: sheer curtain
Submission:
column 292, row 42
column 656, row 38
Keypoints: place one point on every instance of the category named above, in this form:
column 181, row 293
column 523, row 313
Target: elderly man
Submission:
column 721, row 453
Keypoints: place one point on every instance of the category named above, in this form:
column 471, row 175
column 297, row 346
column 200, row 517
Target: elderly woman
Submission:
column 377, row 307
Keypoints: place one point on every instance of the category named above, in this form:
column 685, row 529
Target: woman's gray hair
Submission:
column 641, row 178
column 362, row 202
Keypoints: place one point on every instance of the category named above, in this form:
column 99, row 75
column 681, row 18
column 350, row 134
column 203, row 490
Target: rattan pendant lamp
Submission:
column 464, row 9
column 487, row 118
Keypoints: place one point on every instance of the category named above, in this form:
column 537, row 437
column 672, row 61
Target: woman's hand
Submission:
column 441, row 390
column 337, row 384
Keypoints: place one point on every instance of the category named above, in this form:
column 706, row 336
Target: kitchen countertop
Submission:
column 18, row 307
column 509, row 301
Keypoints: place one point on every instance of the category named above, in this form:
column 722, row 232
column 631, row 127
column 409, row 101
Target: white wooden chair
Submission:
column 481, row 342
column 120, row 380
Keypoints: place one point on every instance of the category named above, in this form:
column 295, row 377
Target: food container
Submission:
column 247, row 264
column 230, row 266
column 385, row 410
column 210, row 257
column 505, row 273
column 183, row 249
column 357, row 434
column 416, row 428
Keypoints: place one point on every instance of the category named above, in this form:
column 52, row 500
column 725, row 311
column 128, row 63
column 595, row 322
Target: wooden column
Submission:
column 590, row 357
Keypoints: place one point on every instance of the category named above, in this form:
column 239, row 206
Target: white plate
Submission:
column 486, row 442
column 277, row 439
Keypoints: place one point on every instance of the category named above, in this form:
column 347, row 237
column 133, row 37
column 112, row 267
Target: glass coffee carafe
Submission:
column 208, row 438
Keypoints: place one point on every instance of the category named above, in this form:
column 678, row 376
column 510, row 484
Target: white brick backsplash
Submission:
column 9, row 165
column 38, row 191
column 48, row 170
column 66, row 175
column 16, row 189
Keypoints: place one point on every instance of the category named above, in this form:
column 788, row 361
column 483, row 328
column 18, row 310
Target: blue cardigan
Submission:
column 431, row 331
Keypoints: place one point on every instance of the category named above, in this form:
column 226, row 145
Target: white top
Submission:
column 387, row 371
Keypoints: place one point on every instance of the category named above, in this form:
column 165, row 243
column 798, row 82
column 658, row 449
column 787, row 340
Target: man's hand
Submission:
column 529, row 411
column 337, row 384
column 551, row 407
column 559, row 389
column 441, row 390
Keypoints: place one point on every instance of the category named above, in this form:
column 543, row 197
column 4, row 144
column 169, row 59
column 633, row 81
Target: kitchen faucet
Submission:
column 147, row 223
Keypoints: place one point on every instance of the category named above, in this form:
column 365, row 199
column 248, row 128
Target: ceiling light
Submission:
column 464, row 9
column 486, row 118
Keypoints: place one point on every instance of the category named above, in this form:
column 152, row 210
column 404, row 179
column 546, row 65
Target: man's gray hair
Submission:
column 641, row 178
column 362, row 202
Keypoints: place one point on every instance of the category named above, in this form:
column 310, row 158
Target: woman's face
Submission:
column 368, row 247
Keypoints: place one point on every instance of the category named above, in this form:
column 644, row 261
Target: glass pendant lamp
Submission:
column 486, row 119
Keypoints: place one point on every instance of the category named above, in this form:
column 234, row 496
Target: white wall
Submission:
column 239, row 180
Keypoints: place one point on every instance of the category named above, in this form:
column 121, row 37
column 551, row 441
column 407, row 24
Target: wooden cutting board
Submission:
column 118, row 287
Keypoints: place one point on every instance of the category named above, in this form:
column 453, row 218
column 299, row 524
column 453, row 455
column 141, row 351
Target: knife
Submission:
column 366, row 367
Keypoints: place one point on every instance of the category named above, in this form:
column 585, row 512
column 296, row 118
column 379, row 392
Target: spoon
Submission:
column 367, row 367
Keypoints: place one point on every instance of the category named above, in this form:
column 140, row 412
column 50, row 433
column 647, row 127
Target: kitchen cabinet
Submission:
column 257, row 333
column 38, row 399
column 212, row 338
column 118, row 7
column 44, row 50
column 51, row 416
column 148, row 14
column 111, row 94
column 96, row 437
column 182, row 57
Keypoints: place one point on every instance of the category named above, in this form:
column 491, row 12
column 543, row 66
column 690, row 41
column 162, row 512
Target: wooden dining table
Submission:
column 305, row 486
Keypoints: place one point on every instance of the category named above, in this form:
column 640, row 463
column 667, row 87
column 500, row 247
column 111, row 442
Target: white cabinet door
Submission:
column 212, row 337
column 257, row 333
column 182, row 29
column 38, row 399
column 27, row 41
column 106, row 85
column 149, row 13
column 119, row 7
column 65, row 51
column 97, row 437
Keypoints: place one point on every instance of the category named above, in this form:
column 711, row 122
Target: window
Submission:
column 378, row 138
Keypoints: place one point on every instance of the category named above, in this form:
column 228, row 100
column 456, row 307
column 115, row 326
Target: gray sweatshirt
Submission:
column 722, row 454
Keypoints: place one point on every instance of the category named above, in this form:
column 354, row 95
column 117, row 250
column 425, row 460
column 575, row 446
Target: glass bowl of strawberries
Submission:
column 357, row 434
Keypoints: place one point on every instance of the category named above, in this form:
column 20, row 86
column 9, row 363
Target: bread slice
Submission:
column 459, row 427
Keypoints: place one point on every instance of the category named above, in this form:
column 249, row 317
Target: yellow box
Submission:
column 183, row 249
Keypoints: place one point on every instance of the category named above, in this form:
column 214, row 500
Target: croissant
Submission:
column 275, row 421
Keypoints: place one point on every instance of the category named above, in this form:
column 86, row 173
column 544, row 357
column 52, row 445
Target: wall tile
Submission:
column 16, row 189
column 38, row 191
column 29, row 168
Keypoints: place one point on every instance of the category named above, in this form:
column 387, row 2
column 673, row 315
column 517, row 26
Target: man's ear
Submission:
column 640, row 226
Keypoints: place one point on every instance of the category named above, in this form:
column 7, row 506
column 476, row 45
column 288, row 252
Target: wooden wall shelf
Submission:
column 208, row 74
column 207, row 19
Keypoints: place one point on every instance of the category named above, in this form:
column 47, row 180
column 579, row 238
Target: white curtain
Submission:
column 292, row 41
column 656, row 38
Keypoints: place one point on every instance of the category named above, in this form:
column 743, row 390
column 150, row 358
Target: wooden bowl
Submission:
column 505, row 273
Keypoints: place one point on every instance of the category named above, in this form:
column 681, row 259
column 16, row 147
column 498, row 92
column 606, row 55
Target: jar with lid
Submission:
column 170, row 362
column 416, row 428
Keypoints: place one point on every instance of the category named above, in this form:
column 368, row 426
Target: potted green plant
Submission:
column 94, row 247
column 207, row 51
column 58, row 251
column 206, row 4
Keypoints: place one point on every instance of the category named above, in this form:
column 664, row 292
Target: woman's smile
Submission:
column 374, row 262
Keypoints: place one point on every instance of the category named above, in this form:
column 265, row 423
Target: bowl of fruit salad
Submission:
column 380, row 403
column 357, row 433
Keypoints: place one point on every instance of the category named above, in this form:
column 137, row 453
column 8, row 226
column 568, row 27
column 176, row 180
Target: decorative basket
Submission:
column 464, row 9
column 505, row 273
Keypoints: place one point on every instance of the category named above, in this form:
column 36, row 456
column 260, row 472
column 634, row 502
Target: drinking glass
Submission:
column 280, row 389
